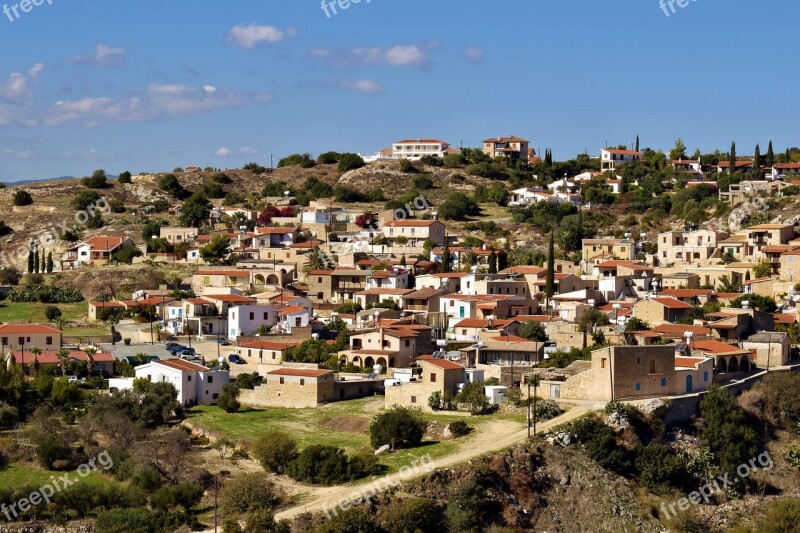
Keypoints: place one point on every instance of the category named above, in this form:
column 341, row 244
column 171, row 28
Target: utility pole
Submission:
column 215, row 503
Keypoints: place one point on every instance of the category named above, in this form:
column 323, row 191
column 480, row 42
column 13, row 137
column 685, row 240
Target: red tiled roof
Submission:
column 274, row 231
column 27, row 328
column 180, row 364
column 103, row 243
column 291, row 310
column 715, row 347
column 266, row 345
column 233, row 298
column 687, row 293
column 300, row 372
column 410, row 223
column 231, row 273
column 672, row 303
column 441, row 363
column 621, row 152
column 680, row 329
column 688, row 362
column 483, row 323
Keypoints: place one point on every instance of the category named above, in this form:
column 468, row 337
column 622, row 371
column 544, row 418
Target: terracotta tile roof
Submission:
column 105, row 243
column 688, row 362
column 183, row 366
column 50, row 357
column 381, row 291
column 672, row 303
column 266, row 345
column 231, row 298
column 506, row 139
column 687, row 293
column 27, row 328
column 411, row 223
column 621, row 152
column 291, row 310
column 680, row 329
column 441, row 363
column 231, row 273
column 715, row 347
column 300, row 372
column 274, row 231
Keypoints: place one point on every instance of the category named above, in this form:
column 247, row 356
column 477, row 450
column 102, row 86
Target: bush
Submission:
column 22, row 198
column 248, row 492
column 406, row 166
column 349, row 162
column 84, row 199
column 547, row 409
column 228, row 400
column 319, row 464
column 52, row 313
column 661, row 469
column 411, row 515
column 459, row 428
column 221, row 178
column 275, row 450
column 126, row 255
column 350, row 521
column 400, row 427
column 39, row 292
column 303, row 160
column 170, row 184
column 98, row 180
column 328, row 158
column 124, row 178
column 458, row 206
column 130, row 520
column 423, row 182
column 10, row 276
column 601, row 444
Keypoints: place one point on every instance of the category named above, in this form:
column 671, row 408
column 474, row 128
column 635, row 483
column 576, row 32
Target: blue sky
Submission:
column 147, row 86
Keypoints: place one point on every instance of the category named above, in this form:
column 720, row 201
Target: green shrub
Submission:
column 275, row 450
column 411, row 515
column 400, row 427
column 124, row 178
column 22, row 198
column 459, row 428
column 661, row 469
column 349, row 162
column 130, row 520
column 407, row 166
column 319, row 464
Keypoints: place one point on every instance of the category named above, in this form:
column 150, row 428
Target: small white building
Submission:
column 247, row 319
column 497, row 394
column 292, row 316
column 612, row 159
column 195, row 383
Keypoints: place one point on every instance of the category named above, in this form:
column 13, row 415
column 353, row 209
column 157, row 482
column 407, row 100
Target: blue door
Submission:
column 688, row 383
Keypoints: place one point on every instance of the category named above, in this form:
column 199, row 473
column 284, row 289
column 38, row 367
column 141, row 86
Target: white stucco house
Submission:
column 195, row 383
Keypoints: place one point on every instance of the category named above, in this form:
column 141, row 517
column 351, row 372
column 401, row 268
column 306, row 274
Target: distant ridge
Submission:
column 60, row 178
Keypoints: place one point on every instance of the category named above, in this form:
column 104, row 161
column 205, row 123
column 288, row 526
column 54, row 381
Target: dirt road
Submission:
column 494, row 436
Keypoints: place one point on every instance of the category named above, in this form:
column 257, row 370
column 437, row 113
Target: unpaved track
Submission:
column 493, row 436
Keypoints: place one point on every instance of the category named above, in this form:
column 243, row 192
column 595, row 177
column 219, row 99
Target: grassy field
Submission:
column 34, row 312
column 323, row 426
column 86, row 332
column 17, row 475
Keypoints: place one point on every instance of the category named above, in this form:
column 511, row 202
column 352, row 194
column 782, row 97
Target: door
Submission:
column 555, row 392
column 688, row 383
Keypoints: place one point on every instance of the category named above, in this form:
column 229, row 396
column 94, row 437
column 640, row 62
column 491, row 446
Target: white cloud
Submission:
column 19, row 154
column 104, row 56
column 157, row 102
column 247, row 150
column 364, row 86
column 35, row 70
column 251, row 36
column 474, row 54
column 222, row 152
column 16, row 97
column 412, row 55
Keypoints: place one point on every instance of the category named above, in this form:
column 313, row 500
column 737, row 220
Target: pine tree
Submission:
column 637, row 143
column 551, row 270
column 770, row 160
column 493, row 264
column 49, row 262
column 732, row 168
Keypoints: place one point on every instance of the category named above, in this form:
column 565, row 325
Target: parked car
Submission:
column 223, row 341
column 235, row 359
column 170, row 344
column 187, row 356
column 76, row 379
column 177, row 349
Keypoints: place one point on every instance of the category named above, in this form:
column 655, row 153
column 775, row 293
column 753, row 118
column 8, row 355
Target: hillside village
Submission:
column 442, row 279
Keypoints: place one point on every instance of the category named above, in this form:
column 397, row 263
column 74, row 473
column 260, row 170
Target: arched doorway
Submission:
column 733, row 365
column 369, row 362
column 689, row 383
column 391, row 362
column 745, row 365
column 258, row 279
column 722, row 366
column 357, row 361
column 381, row 361
column 273, row 280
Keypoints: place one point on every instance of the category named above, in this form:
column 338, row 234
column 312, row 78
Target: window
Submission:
column 638, row 360
column 265, row 315
column 48, row 340
column 298, row 322
column 705, row 376
column 433, row 377
column 413, row 399
column 319, row 280
column 21, row 341
column 302, row 382
column 189, row 377
column 652, row 366
column 273, row 355
column 603, row 362
column 408, row 343
column 5, row 341
column 252, row 316
column 663, row 382
column 638, row 387
column 210, row 379
column 215, row 395
column 282, row 381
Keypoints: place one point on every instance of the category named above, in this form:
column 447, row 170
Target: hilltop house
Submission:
column 511, row 147
column 612, row 159
column 95, row 250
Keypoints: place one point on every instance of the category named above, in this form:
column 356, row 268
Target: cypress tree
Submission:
column 637, row 143
column 30, row 262
column 43, row 267
column 502, row 260
column 493, row 264
column 770, row 160
column 403, row 260
column 446, row 256
column 757, row 161
column 788, row 156
column 49, row 262
column 551, row 270
column 36, row 261
column 732, row 168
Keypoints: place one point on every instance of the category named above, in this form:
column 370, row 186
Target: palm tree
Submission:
column 469, row 259
column 63, row 359
column 318, row 260
column 35, row 350
column 60, row 322
column 140, row 358
column 90, row 351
